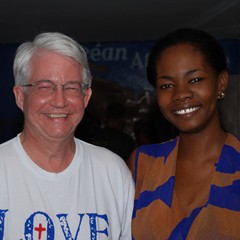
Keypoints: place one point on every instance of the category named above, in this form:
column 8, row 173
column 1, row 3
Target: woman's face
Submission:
column 187, row 88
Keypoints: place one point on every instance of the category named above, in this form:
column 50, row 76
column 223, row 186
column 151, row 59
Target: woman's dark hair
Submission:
column 204, row 42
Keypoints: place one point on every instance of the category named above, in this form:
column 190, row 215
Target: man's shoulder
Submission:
column 105, row 161
column 7, row 153
column 98, row 153
column 7, row 145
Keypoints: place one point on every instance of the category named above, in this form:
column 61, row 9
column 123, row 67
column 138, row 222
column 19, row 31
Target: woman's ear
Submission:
column 19, row 96
column 223, row 81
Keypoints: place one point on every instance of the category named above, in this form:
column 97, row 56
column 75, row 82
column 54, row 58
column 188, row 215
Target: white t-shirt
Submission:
column 91, row 199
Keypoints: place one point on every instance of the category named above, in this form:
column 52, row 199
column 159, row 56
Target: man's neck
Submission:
column 54, row 156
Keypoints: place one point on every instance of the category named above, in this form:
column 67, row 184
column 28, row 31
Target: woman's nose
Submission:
column 182, row 93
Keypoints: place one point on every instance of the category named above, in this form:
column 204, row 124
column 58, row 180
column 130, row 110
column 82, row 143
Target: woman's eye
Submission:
column 165, row 86
column 194, row 80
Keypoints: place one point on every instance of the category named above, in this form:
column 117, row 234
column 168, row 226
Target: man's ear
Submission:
column 223, row 81
column 19, row 96
column 88, row 94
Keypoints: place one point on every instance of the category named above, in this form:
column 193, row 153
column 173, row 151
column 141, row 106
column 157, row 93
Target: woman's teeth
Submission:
column 187, row 110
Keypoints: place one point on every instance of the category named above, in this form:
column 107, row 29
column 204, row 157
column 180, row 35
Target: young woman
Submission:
column 189, row 187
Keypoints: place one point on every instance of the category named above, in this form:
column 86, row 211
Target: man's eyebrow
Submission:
column 73, row 81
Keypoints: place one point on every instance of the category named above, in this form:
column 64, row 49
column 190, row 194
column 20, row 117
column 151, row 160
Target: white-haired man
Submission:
column 52, row 185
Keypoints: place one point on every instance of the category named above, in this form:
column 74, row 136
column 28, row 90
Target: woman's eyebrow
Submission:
column 193, row 71
column 166, row 77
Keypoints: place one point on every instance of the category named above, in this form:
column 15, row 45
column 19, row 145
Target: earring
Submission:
column 221, row 96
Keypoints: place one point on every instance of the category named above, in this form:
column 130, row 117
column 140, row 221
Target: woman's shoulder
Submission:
column 233, row 142
column 157, row 149
column 150, row 156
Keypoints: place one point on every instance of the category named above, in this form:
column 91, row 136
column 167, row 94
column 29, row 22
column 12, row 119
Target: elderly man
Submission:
column 52, row 185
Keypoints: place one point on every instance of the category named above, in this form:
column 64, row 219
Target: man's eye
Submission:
column 44, row 87
column 72, row 88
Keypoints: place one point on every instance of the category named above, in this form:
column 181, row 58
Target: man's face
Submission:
column 54, row 117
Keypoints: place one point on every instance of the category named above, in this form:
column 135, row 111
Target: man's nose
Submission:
column 59, row 98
